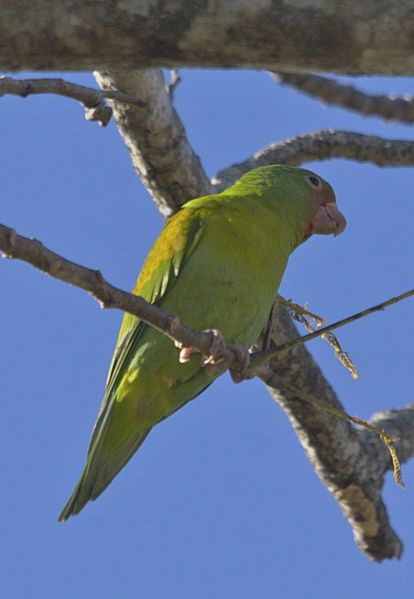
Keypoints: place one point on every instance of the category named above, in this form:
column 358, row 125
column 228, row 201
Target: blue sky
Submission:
column 220, row 501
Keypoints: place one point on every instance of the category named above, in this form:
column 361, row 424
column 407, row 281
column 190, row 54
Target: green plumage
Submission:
column 217, row 264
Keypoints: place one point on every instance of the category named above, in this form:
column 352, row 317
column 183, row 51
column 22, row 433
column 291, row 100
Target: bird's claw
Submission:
column 185, row 353
column 217, row 348
column 213, row 363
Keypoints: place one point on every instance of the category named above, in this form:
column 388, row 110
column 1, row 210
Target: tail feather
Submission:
column 98, row 474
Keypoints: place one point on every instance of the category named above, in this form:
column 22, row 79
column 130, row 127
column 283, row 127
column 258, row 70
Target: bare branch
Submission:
column 309, row 36
column 323, row 145
column 35, row 253
column 92, row 99
column 156, row 139
column 331, row 92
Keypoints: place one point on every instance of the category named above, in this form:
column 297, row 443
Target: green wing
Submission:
column 161, row 269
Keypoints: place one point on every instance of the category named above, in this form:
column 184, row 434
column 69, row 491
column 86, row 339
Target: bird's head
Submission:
column 327, row 218
column 303, row 199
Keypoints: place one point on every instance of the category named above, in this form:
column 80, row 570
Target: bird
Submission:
column 216, row 265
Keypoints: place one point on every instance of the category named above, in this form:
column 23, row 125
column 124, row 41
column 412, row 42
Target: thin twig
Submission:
column 259, row 358
column 330, row 91
column 304, row 316
column 93, row 100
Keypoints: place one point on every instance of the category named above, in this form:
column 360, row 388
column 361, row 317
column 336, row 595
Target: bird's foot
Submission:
column 217, row 350
column 214, row 362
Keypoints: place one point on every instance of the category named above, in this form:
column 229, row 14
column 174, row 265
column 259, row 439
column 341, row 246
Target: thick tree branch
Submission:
column 351, row 463
column 347, row 37
column 92, row 99
column 323, row 145
column 331, row 92
column 156, row 139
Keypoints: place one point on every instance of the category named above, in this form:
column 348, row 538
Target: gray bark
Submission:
column 351, row 463
column 156, row 139
column 310, row 35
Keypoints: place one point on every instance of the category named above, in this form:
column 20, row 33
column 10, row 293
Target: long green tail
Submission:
column 98, row 474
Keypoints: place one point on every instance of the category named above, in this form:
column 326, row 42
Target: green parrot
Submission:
column 217, row 264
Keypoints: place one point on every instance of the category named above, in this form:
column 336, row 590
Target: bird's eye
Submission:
column 313, row 181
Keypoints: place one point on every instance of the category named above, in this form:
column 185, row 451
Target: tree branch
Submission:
column 76, row 35
column 35, row 253
column 323, row 145
column 331, row 92
column 351, row 463
column 92, row 99
column 156, row 139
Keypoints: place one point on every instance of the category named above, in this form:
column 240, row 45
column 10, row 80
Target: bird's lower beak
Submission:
column 328, row 220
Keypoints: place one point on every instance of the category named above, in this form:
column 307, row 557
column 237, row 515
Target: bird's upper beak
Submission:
column 328, row 220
